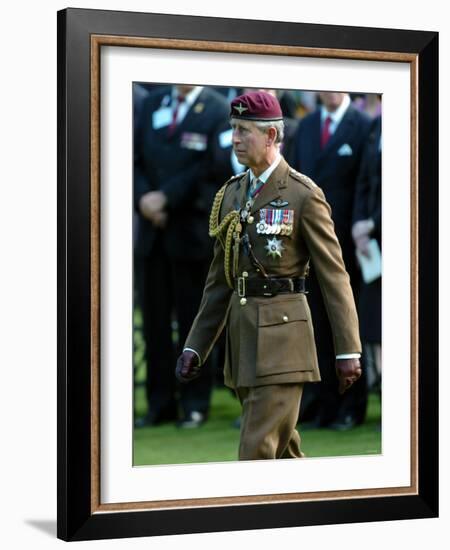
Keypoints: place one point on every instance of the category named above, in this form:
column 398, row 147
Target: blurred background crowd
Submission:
column 182, row 156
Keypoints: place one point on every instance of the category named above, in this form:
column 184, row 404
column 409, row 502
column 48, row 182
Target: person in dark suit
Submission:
column 140, row 93
column 367, row 226
column 173, row 193
column 328, row 148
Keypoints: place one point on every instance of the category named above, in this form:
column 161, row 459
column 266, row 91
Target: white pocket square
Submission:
column 226, row 138
column 345, row 150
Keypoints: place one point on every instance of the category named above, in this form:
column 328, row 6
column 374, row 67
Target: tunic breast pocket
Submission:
column 284, row 338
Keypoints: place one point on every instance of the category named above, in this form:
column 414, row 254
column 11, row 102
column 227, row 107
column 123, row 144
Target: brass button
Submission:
column 285, row 318
column 244, row 274
column 251, row 219
column 243, row 301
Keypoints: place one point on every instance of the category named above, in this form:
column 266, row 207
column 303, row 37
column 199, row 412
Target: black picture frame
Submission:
column 79, row 517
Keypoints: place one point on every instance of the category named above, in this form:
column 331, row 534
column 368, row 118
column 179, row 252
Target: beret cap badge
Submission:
column 240, row 108
column 256, row 105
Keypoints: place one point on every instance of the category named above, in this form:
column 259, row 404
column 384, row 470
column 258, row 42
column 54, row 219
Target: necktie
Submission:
column 173, row 124
column 325, row 135
column 255, row 188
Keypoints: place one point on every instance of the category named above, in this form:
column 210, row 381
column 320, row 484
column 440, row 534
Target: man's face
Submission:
column 331, row 100
column 183, row 89
column 249, row 143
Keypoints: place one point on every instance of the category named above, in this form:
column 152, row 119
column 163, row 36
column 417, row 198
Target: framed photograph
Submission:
column 103, row 491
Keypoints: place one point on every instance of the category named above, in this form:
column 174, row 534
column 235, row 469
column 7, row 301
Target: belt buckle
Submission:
column 241, row 287
column 270, row 289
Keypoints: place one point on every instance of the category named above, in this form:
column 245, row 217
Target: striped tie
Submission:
column 255, row 188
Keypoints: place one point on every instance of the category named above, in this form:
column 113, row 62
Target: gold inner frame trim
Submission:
column 97, row 41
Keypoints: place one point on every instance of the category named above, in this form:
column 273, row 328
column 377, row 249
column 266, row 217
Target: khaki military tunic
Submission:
column 270, row 340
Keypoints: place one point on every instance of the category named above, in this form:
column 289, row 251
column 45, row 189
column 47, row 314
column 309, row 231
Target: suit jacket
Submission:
column 368, row 185
column 335, row 168
column 270, row 339
column 180, row 166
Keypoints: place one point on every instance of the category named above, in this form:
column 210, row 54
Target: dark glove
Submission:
column 348, row 371
column 187, row 367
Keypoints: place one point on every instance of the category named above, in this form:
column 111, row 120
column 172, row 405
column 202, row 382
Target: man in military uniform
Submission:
column 268, row 223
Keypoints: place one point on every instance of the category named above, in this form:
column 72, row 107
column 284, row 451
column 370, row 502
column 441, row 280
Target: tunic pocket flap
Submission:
column 281, row 313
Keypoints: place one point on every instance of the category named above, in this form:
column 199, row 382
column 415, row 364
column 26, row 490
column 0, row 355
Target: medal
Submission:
column 245, row 212
column 275, row 221
column 261, row 228
column 287, row 221
column 274, row 247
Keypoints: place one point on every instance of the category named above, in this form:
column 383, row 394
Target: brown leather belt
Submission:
column 269, row 286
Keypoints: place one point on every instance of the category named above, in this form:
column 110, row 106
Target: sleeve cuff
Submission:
column 346, row 356
column 193, row 350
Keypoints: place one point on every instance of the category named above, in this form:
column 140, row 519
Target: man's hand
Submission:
column 160, row 219
column 362, row 244
column 361, row 235
column 362, row 227
column 187, row 367
column 348, row 371
column 152, row 203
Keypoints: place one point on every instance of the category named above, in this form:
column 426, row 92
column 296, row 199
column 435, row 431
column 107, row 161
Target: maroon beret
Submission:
column 256, row 106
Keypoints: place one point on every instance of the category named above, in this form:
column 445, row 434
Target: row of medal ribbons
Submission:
column 275, row 222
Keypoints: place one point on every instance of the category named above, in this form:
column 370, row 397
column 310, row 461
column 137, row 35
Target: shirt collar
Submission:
column 191, row 97
column 267, row 173
column 338, row 114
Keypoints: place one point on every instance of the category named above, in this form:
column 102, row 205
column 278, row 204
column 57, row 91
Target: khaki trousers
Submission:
column 269, row 417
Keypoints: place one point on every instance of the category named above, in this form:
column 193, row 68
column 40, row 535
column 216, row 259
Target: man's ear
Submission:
column 271, row 135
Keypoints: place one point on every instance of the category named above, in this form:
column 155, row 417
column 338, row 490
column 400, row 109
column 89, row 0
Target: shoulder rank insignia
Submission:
column 235, row 177
column 302, row 178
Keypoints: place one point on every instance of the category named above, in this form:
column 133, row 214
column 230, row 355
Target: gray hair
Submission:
column 263, row 126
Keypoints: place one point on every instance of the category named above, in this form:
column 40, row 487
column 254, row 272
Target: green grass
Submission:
column 361, row 440
column 217, row 440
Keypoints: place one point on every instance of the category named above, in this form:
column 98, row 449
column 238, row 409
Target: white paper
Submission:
column 370, row 265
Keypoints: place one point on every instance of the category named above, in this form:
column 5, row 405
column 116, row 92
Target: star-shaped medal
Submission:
column 240, row 108
column 274, row 247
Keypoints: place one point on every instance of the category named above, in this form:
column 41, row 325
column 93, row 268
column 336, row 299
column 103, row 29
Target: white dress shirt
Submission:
column 188, row 101
column 335, row 116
